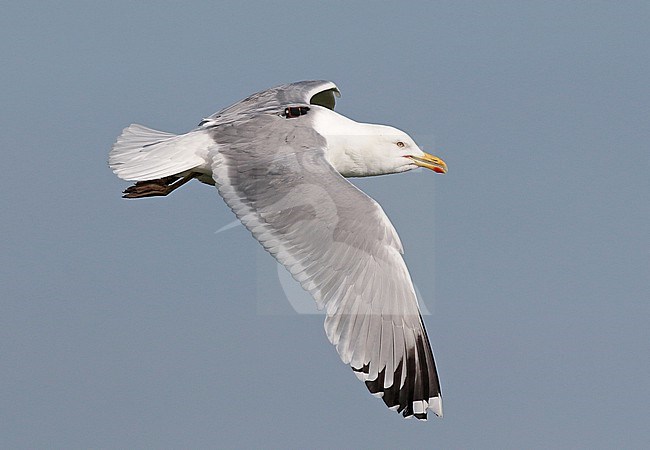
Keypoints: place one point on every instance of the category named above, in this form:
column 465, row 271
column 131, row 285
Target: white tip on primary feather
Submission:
column 435, row 405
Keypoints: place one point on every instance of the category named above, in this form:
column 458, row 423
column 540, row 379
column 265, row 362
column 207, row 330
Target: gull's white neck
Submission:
column 352, row 147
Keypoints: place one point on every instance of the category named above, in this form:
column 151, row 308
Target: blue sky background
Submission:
column 131, row 324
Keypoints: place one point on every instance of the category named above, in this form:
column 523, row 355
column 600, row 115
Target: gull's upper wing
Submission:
column 339, row 244
column 319, row 92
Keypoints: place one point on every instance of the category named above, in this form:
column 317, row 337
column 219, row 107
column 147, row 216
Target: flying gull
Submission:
column 279, row 159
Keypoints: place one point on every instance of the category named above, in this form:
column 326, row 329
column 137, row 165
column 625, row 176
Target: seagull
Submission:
column 280, row 159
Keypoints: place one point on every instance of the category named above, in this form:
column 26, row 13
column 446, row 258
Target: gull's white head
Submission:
column 361, row 149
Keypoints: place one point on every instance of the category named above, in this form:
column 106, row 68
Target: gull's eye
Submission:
column 400, row 144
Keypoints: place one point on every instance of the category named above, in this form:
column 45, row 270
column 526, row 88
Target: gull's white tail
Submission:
column 141, row 153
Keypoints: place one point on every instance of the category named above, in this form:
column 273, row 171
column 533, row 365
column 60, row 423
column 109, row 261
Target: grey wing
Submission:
column 319, row 92
column 339, row 244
